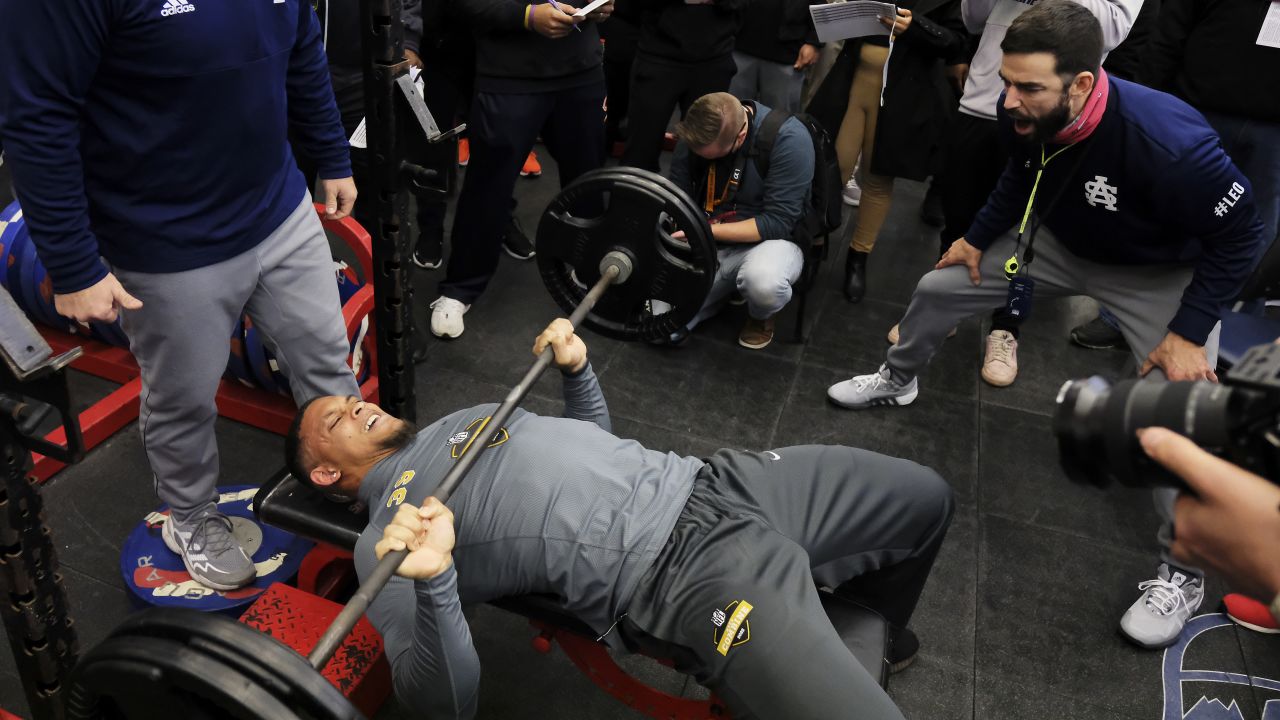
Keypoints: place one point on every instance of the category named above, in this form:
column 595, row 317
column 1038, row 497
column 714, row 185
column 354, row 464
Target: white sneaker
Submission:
column 876, row 389
column 1156, row 619
column 446, row 317
column 852, row 193
column 1000, row 366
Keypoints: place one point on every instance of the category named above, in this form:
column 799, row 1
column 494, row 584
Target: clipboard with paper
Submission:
column 857, row 18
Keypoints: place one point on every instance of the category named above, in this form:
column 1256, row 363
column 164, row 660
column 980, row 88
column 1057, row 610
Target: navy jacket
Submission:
column 1154, row 187
column 154, row 132
column 776, row 202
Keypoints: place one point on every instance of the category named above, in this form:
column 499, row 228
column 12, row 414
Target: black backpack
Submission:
column 823, row 214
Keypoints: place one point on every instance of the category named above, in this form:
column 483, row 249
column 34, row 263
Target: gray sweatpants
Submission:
column 777, row 85
column 1143, row 298
column 759, row 533
column 180, row 340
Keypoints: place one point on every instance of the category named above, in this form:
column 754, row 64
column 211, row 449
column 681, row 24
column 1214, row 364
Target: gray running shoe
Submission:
column 211, row 554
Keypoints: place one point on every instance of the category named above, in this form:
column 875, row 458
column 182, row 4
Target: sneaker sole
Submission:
column 530, row 175
column 1256, row 628
column 1097, row 346
column 518, row 256
column 993, row 382
column 446, row 336
column 895, row 668
column 754, row 346
column 897, row 400
column 170, row 543
column 428, row 266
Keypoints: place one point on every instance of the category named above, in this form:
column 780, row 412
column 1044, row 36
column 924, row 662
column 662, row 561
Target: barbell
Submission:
column 607, row 248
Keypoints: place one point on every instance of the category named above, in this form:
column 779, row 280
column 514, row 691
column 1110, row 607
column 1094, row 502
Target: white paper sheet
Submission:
column 843, row 20
column 1269, row 34
column 583, row 12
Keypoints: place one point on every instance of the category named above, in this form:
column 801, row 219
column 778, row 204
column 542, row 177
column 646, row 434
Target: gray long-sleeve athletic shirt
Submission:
column 556, row 505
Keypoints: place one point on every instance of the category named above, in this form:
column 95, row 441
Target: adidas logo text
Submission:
column 176, row 7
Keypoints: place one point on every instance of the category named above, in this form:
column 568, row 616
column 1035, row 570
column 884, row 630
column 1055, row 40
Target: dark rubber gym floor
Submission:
column 1019, row 619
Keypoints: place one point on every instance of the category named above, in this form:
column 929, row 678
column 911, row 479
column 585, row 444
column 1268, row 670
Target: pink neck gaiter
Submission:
column 1089, row 117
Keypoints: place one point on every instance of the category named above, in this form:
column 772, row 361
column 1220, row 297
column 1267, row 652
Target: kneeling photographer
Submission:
column 1218, row 448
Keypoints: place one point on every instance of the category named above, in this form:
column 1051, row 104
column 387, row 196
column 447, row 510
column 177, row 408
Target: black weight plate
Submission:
column 264, row 660
column 635, row 212
column 146, row 677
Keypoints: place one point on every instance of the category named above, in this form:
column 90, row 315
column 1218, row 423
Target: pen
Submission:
column 556, row 5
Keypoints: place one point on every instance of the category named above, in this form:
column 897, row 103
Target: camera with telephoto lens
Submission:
column 1238, row 420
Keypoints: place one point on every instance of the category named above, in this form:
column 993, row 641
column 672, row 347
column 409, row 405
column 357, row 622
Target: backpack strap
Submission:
column 766, row 135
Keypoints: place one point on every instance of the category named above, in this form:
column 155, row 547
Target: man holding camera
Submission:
column 1114, row 191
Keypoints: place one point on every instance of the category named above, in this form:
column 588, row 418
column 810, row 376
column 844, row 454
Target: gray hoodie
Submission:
column 991, row 18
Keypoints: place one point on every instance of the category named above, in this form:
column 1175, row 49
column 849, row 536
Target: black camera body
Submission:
column 1237, row 420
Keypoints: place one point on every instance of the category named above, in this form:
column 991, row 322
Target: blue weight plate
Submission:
column 157, row 576
column 256, row 356
column 39, row 290
column 8, row 232
column 237, row 358
column 25, row 277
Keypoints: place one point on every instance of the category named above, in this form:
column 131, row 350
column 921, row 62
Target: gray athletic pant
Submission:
column 777, row 85
column 1143, row 299
column 766, row 529
column 180, row 338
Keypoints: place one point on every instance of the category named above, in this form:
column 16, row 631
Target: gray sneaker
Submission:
column 1156, row 619
column 873, row 390
column 211, row 554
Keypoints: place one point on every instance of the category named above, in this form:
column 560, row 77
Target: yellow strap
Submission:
column 1031, row 201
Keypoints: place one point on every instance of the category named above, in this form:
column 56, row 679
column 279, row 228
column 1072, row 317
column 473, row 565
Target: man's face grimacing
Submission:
column 1037, row 98
column 341, row 437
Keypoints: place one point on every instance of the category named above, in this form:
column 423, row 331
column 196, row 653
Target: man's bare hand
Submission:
column 808, row 56
column 570, row 352
column 427, row 533
column 1180, row 359
column 99, row 301
column 548, row 21
column 962, row 253
column 339, row 197
column 1231, row 524
column 414, row 59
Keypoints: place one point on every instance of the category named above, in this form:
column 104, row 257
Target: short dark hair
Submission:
column 1066, row 30
column 706, row 119
column 294, row 458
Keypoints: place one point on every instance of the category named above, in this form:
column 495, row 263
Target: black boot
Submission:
column 855, row 275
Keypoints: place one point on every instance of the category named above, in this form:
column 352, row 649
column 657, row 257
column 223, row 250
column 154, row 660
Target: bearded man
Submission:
column 1114, row 191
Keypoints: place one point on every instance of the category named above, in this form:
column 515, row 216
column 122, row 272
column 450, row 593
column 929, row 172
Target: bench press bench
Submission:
column 286, row 503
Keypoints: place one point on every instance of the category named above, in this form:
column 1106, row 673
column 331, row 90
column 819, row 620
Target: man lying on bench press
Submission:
column 713, row 563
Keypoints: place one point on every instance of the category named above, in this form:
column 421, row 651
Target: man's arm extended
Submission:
column 434, row 666
column 583, row 399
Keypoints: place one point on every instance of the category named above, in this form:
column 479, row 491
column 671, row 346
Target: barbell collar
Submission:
column 386, row 568
column 619, row 259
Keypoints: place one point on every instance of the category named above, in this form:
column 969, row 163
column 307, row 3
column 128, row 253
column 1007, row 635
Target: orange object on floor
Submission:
column 464, row 152
column 532, row 168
